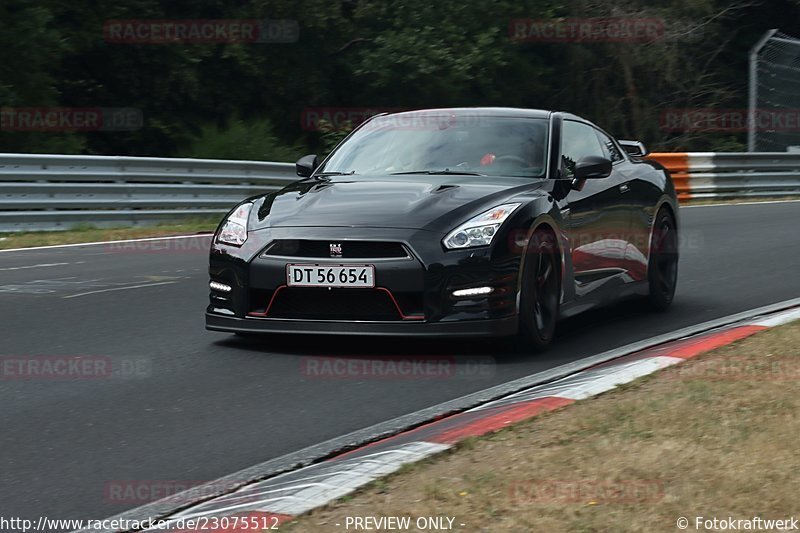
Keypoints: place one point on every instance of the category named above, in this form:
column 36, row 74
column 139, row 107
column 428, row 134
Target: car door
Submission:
column 632, row 201
column 598, row 223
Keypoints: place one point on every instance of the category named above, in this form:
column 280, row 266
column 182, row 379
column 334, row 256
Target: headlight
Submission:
column 234, row 229
column 479, row 231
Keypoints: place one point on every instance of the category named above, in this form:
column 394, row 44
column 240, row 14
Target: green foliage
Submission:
column 368, row 53
column 255, row 140
column 332, row 135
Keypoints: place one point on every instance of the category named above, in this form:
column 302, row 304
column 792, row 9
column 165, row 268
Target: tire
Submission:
column 541, row 291
column 662, row 267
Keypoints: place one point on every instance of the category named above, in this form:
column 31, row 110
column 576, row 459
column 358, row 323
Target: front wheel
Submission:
column 540, row 292
column 662, row 268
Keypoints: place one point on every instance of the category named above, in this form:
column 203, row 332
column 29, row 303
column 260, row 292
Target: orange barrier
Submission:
column 678, row 165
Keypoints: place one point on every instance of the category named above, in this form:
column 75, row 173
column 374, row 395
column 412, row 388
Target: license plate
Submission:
column 330, row 275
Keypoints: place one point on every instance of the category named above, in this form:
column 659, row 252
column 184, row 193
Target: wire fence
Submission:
column 773, row 122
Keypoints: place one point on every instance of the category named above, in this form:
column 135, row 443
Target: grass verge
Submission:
column 91, row 234
column 713, row 437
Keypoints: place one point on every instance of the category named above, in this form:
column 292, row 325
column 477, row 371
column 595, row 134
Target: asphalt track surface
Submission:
column 190, row 405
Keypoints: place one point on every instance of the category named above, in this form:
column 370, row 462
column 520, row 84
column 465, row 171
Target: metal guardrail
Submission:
column 51, row 192
column 699, row 175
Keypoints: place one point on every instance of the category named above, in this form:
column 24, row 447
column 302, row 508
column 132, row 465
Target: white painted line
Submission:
column 779, row 319
column 588, row 382
column 593, row 382
column 146, row 239
column 740, row 203
column 43, row 265
column 263, row 495
column 302, row 495
column 119, row 289
column 284, row 485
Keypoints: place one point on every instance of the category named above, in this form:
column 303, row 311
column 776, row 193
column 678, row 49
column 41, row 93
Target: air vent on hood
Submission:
column 446, row 187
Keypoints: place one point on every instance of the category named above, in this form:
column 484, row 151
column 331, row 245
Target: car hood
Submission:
column 426, row 202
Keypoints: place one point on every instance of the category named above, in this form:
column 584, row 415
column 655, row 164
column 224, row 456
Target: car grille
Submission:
column 311, row 303
column 349, row 249
column 334, row 304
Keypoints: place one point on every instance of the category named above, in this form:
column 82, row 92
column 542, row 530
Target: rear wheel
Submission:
column 662, row 269
column 540, row 292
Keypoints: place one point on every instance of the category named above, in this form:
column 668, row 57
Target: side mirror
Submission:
column 306, row 165
column 592, row 167
column 634, row 148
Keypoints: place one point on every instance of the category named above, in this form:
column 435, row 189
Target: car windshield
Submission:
column 412, row 143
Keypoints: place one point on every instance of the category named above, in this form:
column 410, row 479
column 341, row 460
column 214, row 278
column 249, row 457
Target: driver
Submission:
column 528, row 153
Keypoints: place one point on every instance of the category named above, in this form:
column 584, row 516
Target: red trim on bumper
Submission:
column 269, row 305
column 397, row 306
column 384, row 289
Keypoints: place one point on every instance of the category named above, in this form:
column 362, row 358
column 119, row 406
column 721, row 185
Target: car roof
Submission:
column 486, row 111
column 490, row 111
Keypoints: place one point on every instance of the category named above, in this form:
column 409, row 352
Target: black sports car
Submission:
column 485, row 221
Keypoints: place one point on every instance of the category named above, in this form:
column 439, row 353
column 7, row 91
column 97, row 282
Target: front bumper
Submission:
column 418, row 286
column 466, row 328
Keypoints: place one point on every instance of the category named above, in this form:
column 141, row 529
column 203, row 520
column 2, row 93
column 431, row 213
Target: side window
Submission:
column 577, row 140
column 610, row 149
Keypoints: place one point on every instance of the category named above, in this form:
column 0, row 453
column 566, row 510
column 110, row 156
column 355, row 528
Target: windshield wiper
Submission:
column 445, row 172
column 335, row 173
